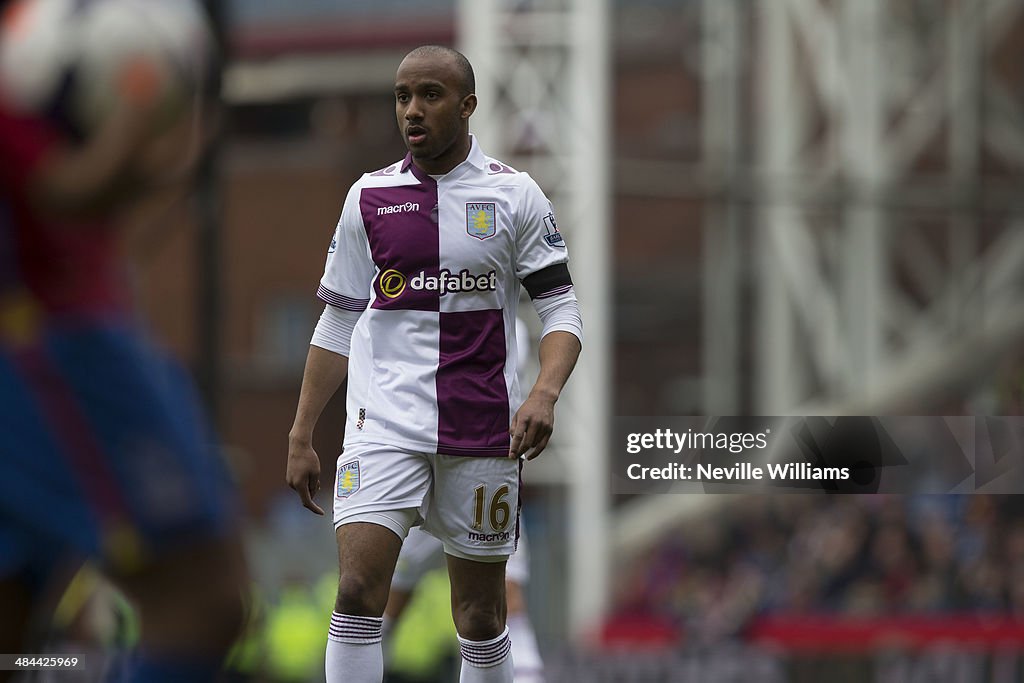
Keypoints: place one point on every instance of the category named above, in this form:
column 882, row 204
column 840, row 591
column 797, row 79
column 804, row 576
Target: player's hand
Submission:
column 303, row 473
column 531, row 427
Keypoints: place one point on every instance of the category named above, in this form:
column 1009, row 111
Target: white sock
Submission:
column 354, row 653
column 529, row 668
column 486, row 661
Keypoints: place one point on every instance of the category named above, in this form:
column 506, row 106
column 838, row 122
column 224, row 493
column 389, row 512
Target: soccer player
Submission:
column 103, row 453
column 421, row 284
column 422, row 553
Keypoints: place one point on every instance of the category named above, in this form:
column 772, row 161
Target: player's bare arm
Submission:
column 324, row 373
column 535, row 420
column 108, row 168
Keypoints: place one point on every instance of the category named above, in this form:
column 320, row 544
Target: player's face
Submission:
column 433, row 115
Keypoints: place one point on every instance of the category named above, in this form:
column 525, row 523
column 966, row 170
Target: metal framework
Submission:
column 859, row 174
column 854, row 230
column 881, row 243
column 542, row 70
column 863, row 242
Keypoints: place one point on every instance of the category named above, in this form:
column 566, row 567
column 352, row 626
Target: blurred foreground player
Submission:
column 422, row 553
column 103, row 452
column 422, row 284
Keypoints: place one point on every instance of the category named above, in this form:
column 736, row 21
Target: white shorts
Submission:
column 470, row 504
column 422, row 553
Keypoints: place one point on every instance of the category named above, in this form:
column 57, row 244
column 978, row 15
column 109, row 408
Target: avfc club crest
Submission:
column 348, row 479
column 552, row 236
column 480, row 221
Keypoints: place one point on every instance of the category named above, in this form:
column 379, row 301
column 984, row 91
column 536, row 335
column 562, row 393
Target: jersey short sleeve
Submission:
column 541, row 255
column 349, row 271
column 539, row 244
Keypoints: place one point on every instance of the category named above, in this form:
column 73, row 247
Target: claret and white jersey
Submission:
column 437, row 267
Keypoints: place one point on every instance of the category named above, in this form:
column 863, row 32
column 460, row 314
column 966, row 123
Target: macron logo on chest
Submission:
column 398, row 208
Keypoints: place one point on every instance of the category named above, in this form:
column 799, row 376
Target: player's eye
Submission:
column 433, row 95
column 402, row 97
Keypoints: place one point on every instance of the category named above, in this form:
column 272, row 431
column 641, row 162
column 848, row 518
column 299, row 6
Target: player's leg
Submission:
column 162, row 506
column 25, row 440
column 377, row 493
column 39, row 508
column 474, row 509
column 529, row 667
column 190, row 604
column 420, row 553
column 398, row 600
column 367, row 552
column 479, row 611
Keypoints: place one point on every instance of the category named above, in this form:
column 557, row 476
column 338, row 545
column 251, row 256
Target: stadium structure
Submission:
column 779, row 208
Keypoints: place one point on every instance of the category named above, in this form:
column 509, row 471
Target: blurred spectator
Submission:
column 838, row 555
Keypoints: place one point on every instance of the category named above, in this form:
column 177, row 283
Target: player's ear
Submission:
column 468, row 105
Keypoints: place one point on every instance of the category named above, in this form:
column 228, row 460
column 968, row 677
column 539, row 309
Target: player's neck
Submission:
column 447, row 160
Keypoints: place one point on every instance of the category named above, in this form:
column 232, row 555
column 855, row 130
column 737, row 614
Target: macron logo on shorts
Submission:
column 500, row 537
column 348, row 479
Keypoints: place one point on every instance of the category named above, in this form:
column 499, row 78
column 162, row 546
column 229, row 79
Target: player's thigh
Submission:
column 421, row 553
column 126, row 446
column 378, row 491
column 517, row 575
column 378, row 484
column 474, row 581
column 44, row 511
column 474, row 507
column 367, row 553
column 518, row 567
column 478, row 597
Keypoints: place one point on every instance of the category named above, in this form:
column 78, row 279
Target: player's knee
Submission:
column 478, row 621
column 361, row 595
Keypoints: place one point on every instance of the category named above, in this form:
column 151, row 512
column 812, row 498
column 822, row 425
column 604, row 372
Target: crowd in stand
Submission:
column 863, row 555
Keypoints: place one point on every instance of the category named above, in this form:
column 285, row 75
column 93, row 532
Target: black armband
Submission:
column 548, row 281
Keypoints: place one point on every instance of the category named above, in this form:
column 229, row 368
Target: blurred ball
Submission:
column 75, row 59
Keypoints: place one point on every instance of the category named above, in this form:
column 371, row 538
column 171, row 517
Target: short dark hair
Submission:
column 461, row 63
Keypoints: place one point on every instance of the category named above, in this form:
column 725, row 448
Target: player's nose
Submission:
column 413, row 112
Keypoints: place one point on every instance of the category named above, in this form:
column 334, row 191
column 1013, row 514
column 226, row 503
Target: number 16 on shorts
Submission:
column 497, row 510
